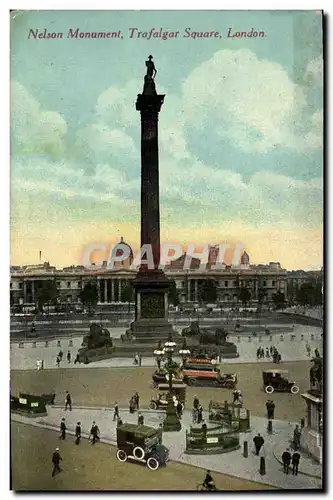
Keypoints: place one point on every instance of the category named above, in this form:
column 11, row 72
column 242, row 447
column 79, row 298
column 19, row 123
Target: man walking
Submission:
column 258, row 442
column 94, row 432
column 62, row 429
column 286, row 458
column 68, row 401
column 295, row 462
column 136, row 399
column 58, row 361
column 78, row 433
column 140, row 419
column 116, row 412
column 56, row 462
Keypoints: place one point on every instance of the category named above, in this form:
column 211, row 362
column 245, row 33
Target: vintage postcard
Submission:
column 166, row 280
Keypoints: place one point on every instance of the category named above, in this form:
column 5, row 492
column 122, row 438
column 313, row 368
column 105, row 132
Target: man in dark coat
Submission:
column 58, row 361
column 78, row 433
column 62, row 429
column 56, row 462
column 116, row 411
column 295, row 462
column 140, row 419
column 94, row 432
column 179, row 409
column 286, row 458
column 136, row 399
column 200, row 411
column 258, row 442
column 196, row 402
column 68, row 401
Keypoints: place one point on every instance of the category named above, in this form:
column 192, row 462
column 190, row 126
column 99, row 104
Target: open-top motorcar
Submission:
column 277, row 380
column 162, row 377
column 160, row 401
column 141, row 443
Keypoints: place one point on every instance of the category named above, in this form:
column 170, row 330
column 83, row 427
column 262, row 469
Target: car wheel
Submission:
column 138, row 452
column 269, row 389
column 191, row 381
column 229, row 385
column 152, row 463
column 294, row 389
column 152, row 405
column 121, row 455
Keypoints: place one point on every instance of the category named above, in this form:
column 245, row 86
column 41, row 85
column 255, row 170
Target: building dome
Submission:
column 245, row 259
column 118, row 251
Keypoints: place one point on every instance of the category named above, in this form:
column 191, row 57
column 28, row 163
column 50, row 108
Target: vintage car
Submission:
column 141, row 443
column 162, row 377
column 276, row 380
column 160, row 402
column 207, row 374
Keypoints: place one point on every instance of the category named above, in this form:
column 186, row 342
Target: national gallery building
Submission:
column 24, row 281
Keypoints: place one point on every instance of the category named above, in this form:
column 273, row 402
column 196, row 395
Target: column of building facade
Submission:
column 24, row 292
column 112, row 291
column 119, row 290
column 33, row 291
column 99, row 290
column 105, row 291
column 196, row 290
column 188, row 290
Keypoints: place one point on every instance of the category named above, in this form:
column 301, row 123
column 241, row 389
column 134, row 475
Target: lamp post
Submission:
column 171, row 421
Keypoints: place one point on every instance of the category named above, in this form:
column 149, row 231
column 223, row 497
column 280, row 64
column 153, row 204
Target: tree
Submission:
column 127, row 294
column 208, row 291
column 89, row 296
column 173, row 294
column 279, row 300
column 46, row 293
column 309, row 294
column 244, row 296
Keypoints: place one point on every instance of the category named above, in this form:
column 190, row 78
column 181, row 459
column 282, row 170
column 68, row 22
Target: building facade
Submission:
column 271, row 278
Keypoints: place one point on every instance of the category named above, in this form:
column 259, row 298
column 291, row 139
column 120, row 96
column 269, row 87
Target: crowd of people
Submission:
column 268, row 353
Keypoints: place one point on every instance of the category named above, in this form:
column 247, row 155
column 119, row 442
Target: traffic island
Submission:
column 214, row 440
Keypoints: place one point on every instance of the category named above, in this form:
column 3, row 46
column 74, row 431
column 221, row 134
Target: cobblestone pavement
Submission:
column 232, row 463
column 291, row 350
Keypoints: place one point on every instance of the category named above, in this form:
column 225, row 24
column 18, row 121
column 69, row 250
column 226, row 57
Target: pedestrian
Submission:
column 136, row 359
column 271, row 350
column 136, row 399
column 42, row 364
column 297, row 438
column 295, row 462
column 94, row 432
column 56, row 462
column 62, row 429
column 140, row 419
column 236, row 396
column 58, row 361
column 140, row 359
column 258, row 441
column 262, row 352
column 179, row 409
column 78, row 433
column 132, row 405
column 68, row 401
column 38, row 364
column 258, row 353
column 204, row 430
column 200, row 412
column 308, row 350
column 60, row 355
column 286, row 458
column 116, row 411
column 69, row 357
column 196, row 402
column 279, row 358
column 240, row 398
column 267, row 353
column 77, row 359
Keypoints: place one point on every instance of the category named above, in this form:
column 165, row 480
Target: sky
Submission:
column 240, row 133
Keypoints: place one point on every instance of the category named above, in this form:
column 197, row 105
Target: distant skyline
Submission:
column 240, row 133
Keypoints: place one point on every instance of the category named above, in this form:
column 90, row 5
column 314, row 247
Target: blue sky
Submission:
column 240, row 133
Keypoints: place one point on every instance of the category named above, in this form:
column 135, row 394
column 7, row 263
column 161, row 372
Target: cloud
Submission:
column 251, row 102
column 34, row 130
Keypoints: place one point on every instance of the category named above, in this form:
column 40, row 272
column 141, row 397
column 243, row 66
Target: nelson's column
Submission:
column 151, row 285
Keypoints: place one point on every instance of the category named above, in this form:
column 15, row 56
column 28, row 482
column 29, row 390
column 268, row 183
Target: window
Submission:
column 265, row 283
column 68, row 284
column 58, row 284
column 20, row 286
column 79, row 284
column 273, row 283
column 235, row 283
column 226, row 283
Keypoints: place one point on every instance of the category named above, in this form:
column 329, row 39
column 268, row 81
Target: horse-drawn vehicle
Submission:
column 141, row 443
column 276, row 380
